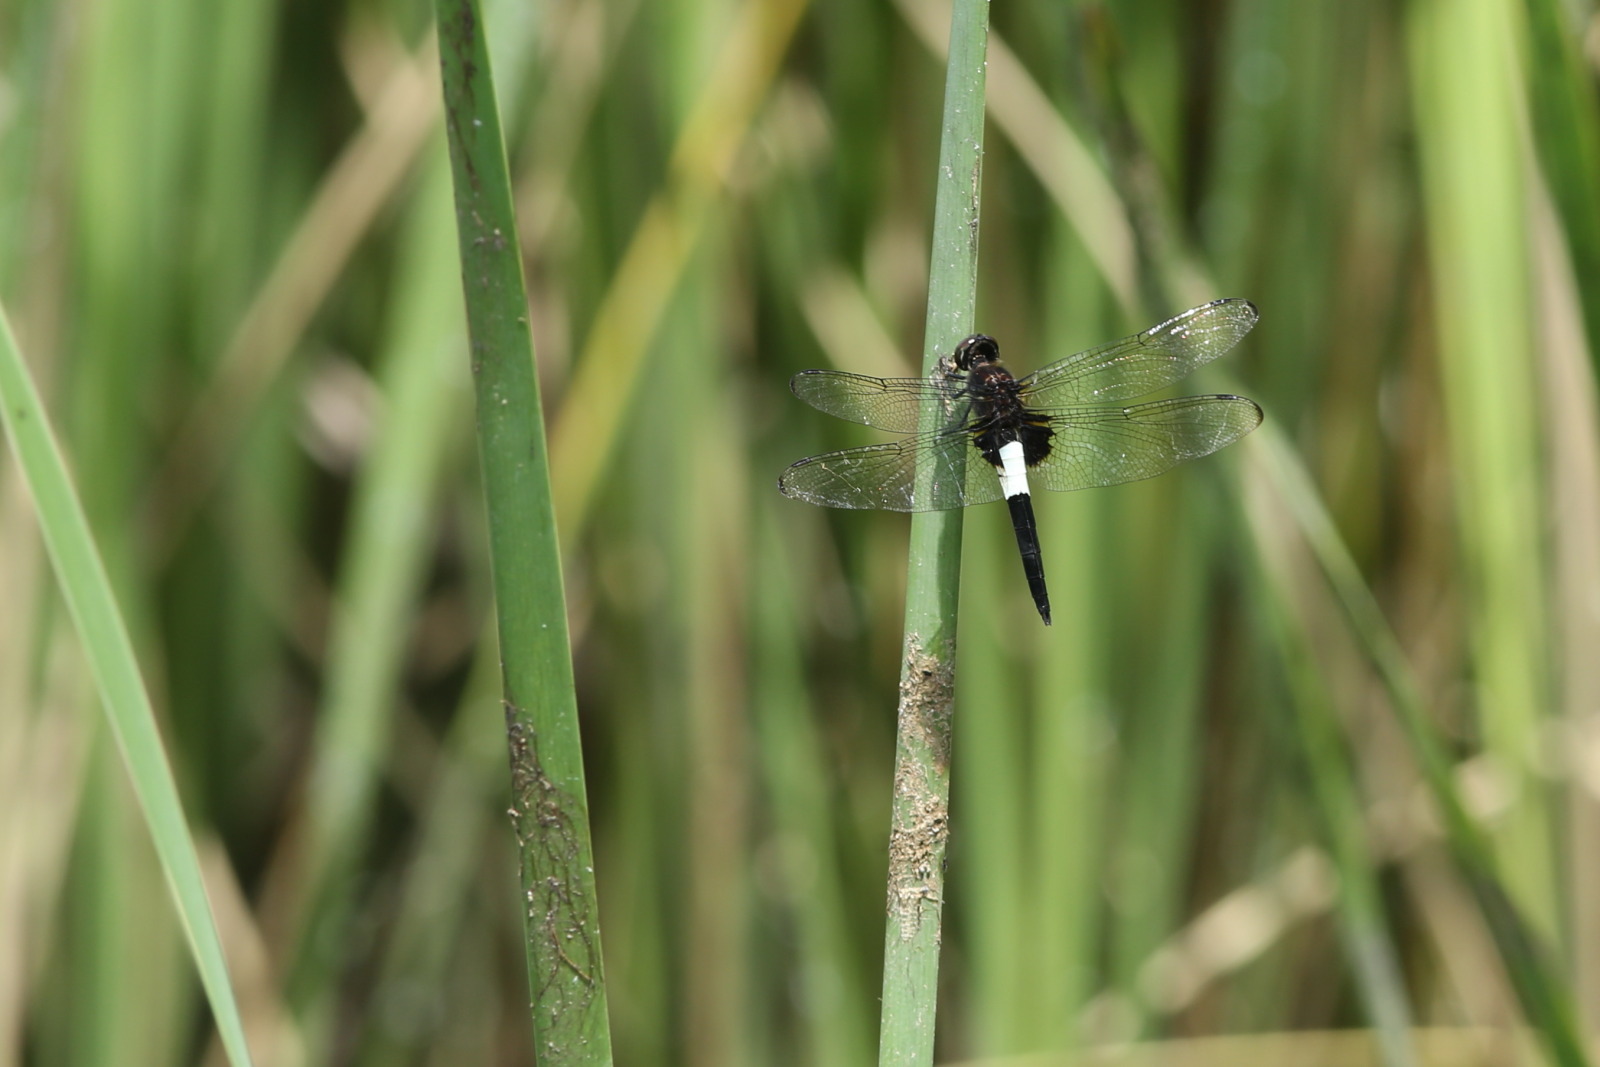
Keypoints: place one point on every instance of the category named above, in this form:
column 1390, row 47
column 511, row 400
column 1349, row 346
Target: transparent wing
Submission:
column 1089, row 447
column 885, row 476
column 1144, row 362
column 893, row 404
column 1108, row 446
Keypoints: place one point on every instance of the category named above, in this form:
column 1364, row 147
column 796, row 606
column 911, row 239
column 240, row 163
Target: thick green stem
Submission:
column 548, row 806
column 927, row 680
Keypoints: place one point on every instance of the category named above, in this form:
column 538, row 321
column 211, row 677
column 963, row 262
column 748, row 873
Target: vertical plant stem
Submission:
column 1566, row 135
column 1472, row 173
column 548, row 806
column 920, row 818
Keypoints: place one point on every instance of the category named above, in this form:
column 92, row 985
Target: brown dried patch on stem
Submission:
column 552, row 857
column 921, row 788
column 927, row 698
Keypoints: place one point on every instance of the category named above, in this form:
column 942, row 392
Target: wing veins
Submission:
column 1143, row 362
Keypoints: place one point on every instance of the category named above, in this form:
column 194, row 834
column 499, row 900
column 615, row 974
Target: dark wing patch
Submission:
column 1109, row 446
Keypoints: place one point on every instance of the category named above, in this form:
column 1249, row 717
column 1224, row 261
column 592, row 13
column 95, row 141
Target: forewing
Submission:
column 1144, row 362
column 893, row 404
column 885, row 476
column 1109, row 446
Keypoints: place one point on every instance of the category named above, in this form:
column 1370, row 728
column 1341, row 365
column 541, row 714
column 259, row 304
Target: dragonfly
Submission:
column 996, row 437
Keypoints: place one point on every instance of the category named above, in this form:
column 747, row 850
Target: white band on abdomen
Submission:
column 1013, row 470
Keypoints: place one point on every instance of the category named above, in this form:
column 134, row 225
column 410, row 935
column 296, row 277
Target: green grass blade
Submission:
column 87, row 591
column 791, row 747
column 1566, row 135
column 384, row 564
column 1539, row 988
column 920, row 820
column 1334, row 794
column 435, row 893
column 585, row 432
column 1475, row 202
column 549, row 805
column 264, row 342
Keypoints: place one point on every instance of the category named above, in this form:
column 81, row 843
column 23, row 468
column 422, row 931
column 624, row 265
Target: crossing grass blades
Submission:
column 1051, row 428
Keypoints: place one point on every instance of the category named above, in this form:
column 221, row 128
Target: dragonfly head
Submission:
column 979, row 348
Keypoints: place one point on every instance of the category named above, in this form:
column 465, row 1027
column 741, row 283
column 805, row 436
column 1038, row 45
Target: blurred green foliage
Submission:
column 226, row 245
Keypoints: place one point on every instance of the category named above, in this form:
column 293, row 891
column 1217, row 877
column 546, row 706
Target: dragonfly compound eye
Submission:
column 979, row 348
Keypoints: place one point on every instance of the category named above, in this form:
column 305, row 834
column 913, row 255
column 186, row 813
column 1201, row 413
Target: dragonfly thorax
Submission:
column 995, row 394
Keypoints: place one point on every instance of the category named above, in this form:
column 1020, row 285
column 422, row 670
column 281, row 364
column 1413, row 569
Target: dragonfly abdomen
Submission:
column 1013, row 448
